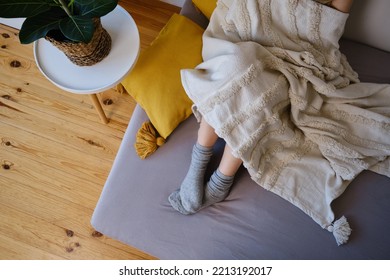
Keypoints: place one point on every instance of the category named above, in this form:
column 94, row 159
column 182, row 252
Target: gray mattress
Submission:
column 251, row 223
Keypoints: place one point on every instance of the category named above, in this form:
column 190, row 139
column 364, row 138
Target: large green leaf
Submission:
column 23, row 8
column 95, row 8
column 77, row 28
column 36, row 27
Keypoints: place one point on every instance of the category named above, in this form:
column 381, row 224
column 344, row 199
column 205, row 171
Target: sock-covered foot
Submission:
column 188, row 199
column 217, row 188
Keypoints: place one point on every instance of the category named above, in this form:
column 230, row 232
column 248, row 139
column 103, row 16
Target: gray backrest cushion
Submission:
column 190, row 11
column 369, row 23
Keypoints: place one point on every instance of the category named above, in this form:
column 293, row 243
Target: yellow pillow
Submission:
column 155, row 81
column 207, row 7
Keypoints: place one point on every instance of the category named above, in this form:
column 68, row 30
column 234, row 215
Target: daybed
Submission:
column 252, row 223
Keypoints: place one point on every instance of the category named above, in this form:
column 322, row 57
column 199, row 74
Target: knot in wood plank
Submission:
column 69, row 233
column 6, row 142
column 108, row 101
column 6, row 165
column 96, row 234
column 15, row 64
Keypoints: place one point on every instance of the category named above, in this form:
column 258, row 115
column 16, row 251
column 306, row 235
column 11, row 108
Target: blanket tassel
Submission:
column 147, row 140
column 341, row 230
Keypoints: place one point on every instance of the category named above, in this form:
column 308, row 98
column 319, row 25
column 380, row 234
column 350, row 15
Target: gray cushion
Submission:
column 372, row 65
column 251, row 223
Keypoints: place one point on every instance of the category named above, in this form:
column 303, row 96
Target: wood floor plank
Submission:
column 53, row 239
column 48, row 179
column 102, row 144
column 11, row 47
column 13, row 249
column 150, row 17
column 55, row 154
column 59, row 105
column 25, row 228
column 70, row 215
column 43, row 151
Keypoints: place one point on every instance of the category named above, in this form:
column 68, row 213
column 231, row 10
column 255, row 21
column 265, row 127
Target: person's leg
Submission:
column 342, row 5
column 188, row 199
column 229, row 164
column 218, row 187
column 206, row 135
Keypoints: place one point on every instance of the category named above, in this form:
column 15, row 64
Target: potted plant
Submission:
column 73, row 26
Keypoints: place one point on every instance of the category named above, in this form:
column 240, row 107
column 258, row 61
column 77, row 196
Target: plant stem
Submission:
column 65, row 7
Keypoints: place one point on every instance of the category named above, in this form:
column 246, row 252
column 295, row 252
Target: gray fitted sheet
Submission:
column 251, row 223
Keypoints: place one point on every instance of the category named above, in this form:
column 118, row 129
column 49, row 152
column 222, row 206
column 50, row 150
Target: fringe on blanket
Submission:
column 341, row 230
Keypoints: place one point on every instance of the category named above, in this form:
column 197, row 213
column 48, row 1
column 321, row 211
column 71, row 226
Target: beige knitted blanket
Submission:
column 275, row 86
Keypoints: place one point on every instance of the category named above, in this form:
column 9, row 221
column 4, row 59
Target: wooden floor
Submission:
column 55, row 154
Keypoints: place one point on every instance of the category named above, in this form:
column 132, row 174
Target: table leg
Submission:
column 99, row 108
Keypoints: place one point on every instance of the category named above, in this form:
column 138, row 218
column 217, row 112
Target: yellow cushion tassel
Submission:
column 147, row 140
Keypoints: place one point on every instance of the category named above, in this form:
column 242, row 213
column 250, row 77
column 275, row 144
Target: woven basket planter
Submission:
column 86, row 54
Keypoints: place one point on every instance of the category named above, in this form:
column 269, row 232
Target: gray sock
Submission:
column 217, row 188
column 188, row 199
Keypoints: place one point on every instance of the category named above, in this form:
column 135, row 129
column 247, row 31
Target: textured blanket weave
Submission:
column 275, row 86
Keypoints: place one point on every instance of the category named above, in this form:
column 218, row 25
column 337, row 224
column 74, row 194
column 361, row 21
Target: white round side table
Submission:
column 57, row 68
